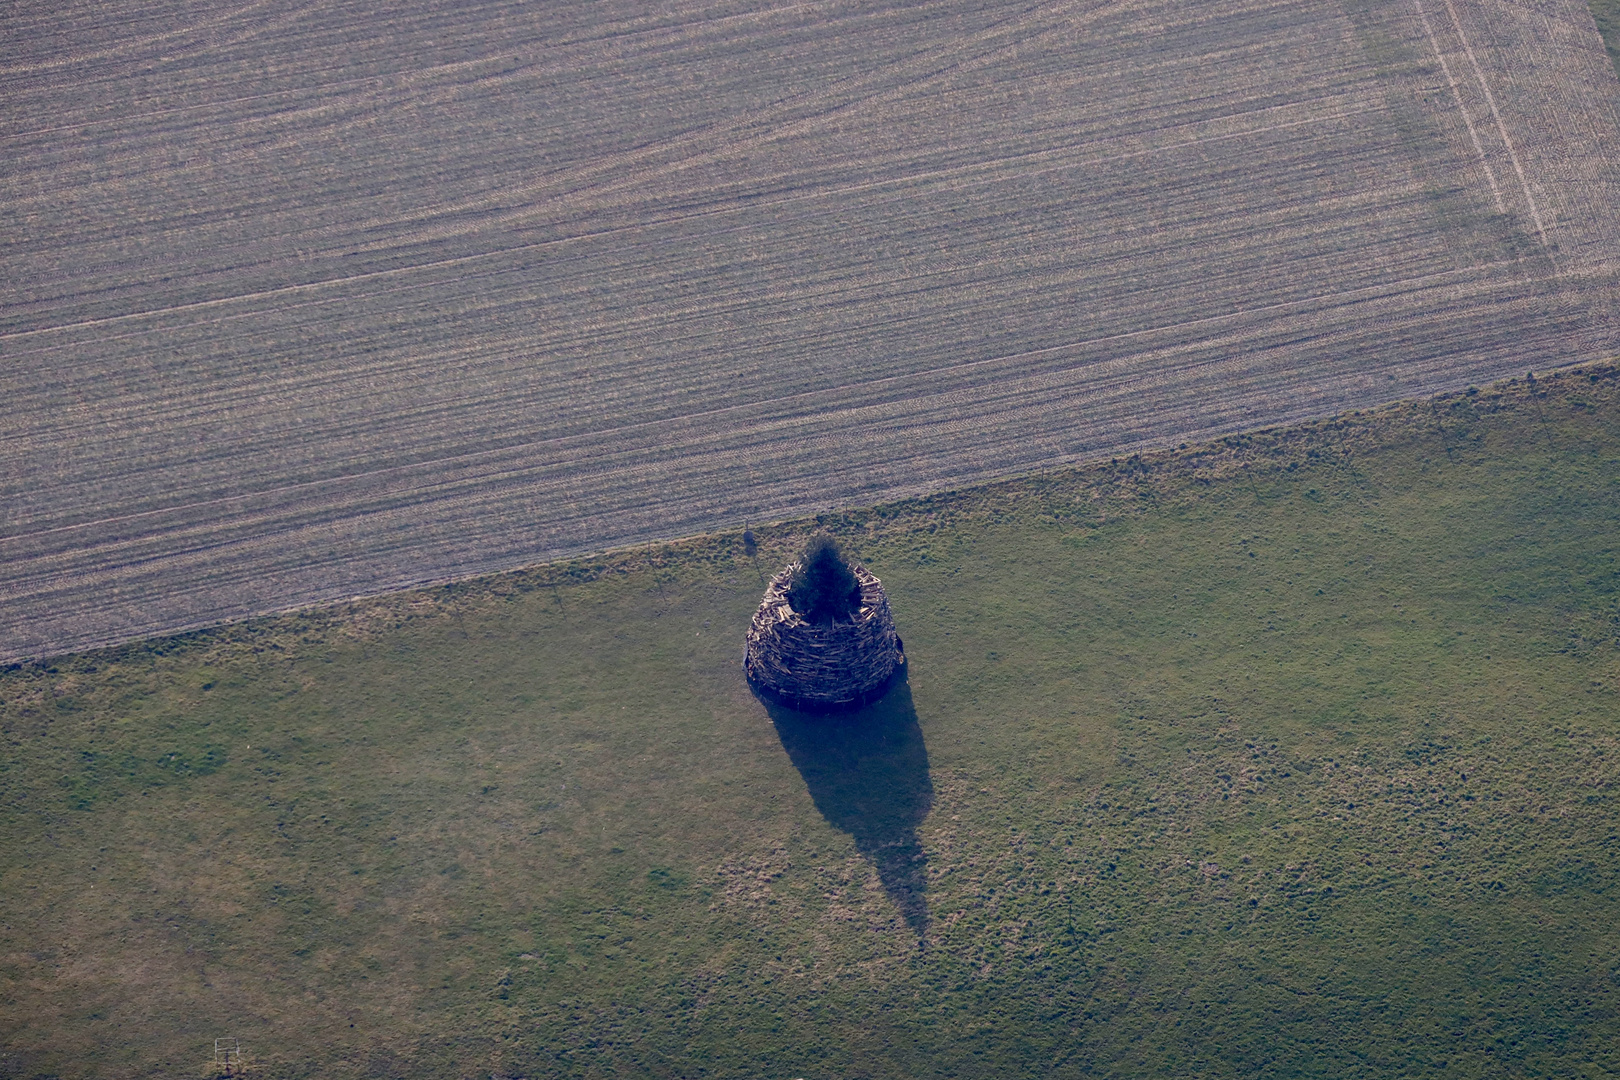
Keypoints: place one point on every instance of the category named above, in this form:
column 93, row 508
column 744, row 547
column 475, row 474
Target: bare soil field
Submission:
column 304, row 301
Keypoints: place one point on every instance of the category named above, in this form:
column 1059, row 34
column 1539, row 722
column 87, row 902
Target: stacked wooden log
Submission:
column 822, row 667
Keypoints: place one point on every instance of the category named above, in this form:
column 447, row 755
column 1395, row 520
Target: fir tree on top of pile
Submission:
column 823, row 588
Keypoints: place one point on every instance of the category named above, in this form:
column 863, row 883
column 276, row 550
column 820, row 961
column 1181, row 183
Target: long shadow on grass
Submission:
column 868, row 774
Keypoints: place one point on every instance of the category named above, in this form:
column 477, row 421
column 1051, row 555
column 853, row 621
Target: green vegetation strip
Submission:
column 1292, row 755
column 1607, row 14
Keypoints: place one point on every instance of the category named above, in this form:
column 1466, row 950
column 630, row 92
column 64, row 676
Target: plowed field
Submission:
column 304, row 301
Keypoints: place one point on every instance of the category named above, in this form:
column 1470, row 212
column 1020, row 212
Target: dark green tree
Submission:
column 823, row 588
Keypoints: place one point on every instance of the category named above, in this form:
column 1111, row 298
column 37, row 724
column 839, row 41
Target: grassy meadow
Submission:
column 1294, row 755
column 1607, row 14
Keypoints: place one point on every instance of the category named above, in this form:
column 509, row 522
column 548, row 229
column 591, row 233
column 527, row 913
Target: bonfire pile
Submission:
column 823, row 639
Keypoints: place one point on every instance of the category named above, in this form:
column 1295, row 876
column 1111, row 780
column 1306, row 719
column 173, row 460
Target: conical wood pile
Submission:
column 822, row 667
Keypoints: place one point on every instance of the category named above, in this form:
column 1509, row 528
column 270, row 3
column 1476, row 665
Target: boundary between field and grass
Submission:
column 1097, row 492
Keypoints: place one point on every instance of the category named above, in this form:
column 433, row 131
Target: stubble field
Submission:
column 1290, row 755
column 311, row 301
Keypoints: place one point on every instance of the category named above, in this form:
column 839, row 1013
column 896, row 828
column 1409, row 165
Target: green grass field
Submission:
column 1294, row 755
column 1607, row 14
